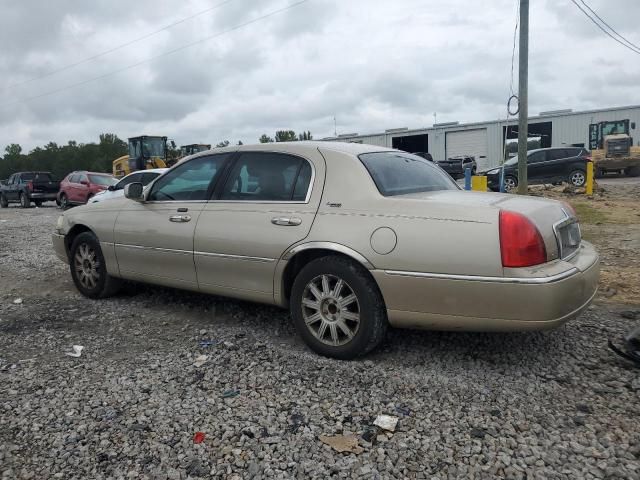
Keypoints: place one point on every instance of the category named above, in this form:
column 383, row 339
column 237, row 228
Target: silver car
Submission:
column 351, row 238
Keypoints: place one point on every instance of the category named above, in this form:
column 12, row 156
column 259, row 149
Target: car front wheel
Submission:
column 88, row 268
column 64, row 202
column 337, row 308
column 4, row 203
column 577, row 178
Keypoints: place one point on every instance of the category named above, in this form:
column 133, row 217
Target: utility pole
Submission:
column 523, row 97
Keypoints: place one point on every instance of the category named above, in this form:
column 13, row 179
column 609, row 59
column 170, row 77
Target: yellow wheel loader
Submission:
column 612, row 148
column 144, row 152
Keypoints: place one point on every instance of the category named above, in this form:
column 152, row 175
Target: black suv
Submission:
column 545, row 165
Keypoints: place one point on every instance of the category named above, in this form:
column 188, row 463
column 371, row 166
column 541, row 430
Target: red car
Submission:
column 78, row 187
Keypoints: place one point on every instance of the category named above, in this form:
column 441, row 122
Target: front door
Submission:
column 267, row 203
column 535, row 166
column 154, row 238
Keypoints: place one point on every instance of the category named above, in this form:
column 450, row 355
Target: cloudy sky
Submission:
column 371, row 64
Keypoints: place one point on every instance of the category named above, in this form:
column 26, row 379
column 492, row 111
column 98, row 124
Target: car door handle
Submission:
column 180, row 218
column 286, row 221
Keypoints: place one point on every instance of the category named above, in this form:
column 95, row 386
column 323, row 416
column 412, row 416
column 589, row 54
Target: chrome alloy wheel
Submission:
column 509, row 184
column 87, row 266
column 578, row 179
column 331, row 310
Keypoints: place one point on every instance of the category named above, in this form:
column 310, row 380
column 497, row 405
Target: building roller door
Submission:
column 471, row 143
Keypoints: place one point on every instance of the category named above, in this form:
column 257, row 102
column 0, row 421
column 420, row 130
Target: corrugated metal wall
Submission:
column 566, row 129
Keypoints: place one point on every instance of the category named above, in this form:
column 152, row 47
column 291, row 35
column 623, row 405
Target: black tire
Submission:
column 510, row 180
column 4, row 203
column 577, row 178
column 24, row 201
column 87, row 267
column 372, row 323
column 633, row 172
column 599, row 172
column 64, row 201
column 38, row 203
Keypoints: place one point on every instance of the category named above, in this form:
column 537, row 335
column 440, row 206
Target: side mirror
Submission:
column 111, row 188
column 85, row 183
column 133, row 191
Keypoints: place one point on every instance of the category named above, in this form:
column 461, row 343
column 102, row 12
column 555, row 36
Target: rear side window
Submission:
column 559, row 153
column 268, row 177
column 399, row 173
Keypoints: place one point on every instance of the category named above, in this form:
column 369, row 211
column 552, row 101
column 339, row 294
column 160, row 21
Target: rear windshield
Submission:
column 399, row 173
column 36, row 176
column 102, row 180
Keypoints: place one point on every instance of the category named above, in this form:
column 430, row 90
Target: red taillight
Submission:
column 521, row 244
column 30, row 186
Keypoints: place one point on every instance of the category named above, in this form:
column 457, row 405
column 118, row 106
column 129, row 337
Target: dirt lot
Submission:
column 538, row 405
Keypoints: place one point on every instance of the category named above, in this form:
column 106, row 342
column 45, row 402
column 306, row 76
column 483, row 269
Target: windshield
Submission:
column 153, row 147
column 397, row 173
column 36, row 176
column 512, row 161
column 105, row 180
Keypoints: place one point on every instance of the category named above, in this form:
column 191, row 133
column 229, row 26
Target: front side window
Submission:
column 267, row 176
column 74, row 178
column 190, row 180
column 133, row 178
column 148, row 177
column 536, row 157
column 399, row 173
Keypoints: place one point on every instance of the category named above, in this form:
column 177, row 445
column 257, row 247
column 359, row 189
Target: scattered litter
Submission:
column 200, row 360
column 342, row 443
column 386, row 422
column 18, row 301
column 203, row 332
column 402, row 410
column 198, row 437
column 230, row 393
column 631, row 347
column 369, row 435
column 77, row 351
column 208, row 343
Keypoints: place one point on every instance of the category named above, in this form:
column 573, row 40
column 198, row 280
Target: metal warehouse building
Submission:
column 485, row 140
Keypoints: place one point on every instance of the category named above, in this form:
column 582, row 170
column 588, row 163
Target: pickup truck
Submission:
column 27, row 187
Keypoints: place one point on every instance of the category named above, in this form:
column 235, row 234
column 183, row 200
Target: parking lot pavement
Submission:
column 551, row 404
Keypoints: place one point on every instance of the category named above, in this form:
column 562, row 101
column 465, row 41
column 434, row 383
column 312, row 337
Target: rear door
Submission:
column 267, row 203
column 536, row 165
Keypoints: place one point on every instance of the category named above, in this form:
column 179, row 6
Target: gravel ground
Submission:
column 538, row 405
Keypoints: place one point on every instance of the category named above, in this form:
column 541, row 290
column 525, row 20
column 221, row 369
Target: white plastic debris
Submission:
column 77, row 351
column 386, row 422
column 18, row 301
column 200, row 360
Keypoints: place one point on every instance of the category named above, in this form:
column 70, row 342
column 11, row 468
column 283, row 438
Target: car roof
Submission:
column 299, row 147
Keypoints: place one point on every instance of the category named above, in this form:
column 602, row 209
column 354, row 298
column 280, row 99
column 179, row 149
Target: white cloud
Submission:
column 374, row 65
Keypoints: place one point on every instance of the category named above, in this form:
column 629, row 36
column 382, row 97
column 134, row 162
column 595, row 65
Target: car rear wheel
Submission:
column 577, row 178
column 4, row 203
column 510, row 183
column 337, row 308
column 88, row 268
column 24, row 201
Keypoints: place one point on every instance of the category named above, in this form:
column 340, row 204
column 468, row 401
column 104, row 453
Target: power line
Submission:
column 155, row 57
column 633, row 45
column 633, row 49
column 116, row 48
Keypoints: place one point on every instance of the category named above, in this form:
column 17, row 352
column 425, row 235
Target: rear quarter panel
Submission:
column 432, row 236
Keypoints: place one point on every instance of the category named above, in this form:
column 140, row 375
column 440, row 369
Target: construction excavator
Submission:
column 145, row 152
column 612, row 148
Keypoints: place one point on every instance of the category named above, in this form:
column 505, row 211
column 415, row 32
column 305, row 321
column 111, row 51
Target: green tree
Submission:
column 265, row 139
column 13, row 151
column 286, row 136
column 240, row 142
column 305, row 136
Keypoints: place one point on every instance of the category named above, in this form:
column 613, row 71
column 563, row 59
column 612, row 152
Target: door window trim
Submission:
column 215, row 198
